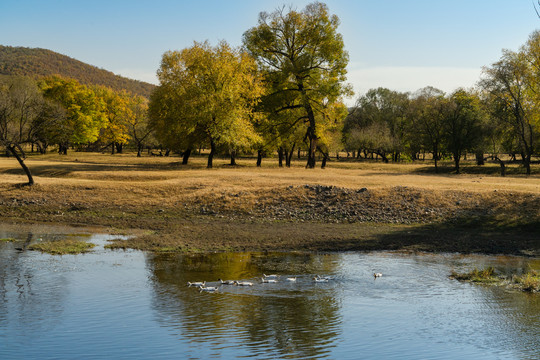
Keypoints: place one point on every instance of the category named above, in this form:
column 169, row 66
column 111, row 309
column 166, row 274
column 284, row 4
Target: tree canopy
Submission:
column 304, row 62
column 207, row 94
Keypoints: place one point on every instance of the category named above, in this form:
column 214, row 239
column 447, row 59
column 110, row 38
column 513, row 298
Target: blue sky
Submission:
column 400, row 44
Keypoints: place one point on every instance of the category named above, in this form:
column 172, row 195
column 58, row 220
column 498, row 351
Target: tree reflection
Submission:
column 285, row 319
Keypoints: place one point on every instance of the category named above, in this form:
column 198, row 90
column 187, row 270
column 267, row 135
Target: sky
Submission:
column 403, row 45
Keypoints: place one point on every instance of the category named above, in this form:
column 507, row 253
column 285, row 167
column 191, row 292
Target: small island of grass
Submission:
column 63, row 247
column 529, row 282
column 7, row 239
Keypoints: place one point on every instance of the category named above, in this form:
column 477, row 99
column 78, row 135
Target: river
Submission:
column 135, row 305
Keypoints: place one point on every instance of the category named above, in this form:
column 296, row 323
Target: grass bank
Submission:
column 347, row 206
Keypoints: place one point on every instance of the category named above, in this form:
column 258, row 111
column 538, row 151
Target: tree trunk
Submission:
column 185, row 156
column 288, row 159
column 211, row 155
column 259, row 157
column 325, row 158
column 280, row 157
column 383, row 156
column 119, row 148
column 23, row 165
column 233, row 158
column 457, row 157
column 479, row 158
column 139, row 150
column 435, row 157
column 112, row 148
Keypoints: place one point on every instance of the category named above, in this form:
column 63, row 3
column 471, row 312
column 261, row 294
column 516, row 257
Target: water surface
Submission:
column 129, row 304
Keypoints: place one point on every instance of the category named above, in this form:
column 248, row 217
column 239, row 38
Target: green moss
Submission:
column 7, row 239
column 63, row 247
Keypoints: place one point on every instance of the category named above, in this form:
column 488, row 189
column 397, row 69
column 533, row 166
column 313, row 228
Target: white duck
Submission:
column 291, row 278
column 272, row 276
column 243, row 283
column 196, row 283
column 227, row 282
column 269, row 281
column 376, row 275
column 319, row 279
column 209, row 288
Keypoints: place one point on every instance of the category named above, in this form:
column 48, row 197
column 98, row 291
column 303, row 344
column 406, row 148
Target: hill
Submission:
column 42, row 62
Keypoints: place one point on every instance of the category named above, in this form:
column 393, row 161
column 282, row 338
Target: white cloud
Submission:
column 401, row 78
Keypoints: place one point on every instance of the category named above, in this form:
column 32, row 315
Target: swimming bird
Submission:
column 324, row 277
column 376, row 275
column 227, row 282
column 208, row 288
column 273, row 276
column 291, row 278
column 318, row 279
column 269, row 281
column 196, row 283
column 243, row 283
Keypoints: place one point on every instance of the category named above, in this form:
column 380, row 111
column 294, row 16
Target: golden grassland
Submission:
column 190, row 208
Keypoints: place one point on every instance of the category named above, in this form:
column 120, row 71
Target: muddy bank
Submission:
column 300, row 217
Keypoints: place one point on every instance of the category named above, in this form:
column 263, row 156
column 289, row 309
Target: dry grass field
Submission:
column 347, row 206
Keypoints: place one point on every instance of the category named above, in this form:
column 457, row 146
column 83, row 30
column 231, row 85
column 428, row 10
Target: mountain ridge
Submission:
column 37, row 62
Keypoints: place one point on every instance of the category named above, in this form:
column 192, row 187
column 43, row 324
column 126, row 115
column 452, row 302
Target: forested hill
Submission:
column 40, row 62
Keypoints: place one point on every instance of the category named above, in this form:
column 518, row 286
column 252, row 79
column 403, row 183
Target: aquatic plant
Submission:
column 529, row 281
column 7, row 239
column 485, row 275
column 63, row 247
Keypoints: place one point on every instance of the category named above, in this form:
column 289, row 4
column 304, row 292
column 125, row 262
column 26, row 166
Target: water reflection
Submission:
column 297, row 319
column 21, row 275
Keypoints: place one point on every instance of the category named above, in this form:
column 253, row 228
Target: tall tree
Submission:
column 20, row 105
column 137, row 122
column 84, row 110
column 427, row 114
column 514, row 89
column 379, row 117
column 117, row 112
column 208, row 93
column 462, row 124
column 304, row 61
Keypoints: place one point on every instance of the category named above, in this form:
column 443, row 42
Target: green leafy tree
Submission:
column 512, row 84
column 137, row 122
column 377, row 123
column 303, row 58
column 117, row 113
column 85, row 115
column 463, row 124
column 427, row 112
column 207, row 93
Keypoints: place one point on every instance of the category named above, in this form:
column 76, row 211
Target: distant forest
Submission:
column 42, row 62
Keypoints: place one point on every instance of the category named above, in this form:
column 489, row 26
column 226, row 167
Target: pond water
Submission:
column 130, row 304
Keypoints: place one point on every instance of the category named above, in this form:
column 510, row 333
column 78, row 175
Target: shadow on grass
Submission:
column 461, row 236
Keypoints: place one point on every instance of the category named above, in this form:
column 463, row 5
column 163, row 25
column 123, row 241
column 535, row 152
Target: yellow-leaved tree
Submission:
column 206, row 97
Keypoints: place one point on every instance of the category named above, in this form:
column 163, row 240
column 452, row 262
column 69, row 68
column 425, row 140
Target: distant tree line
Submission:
column 281, row 92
